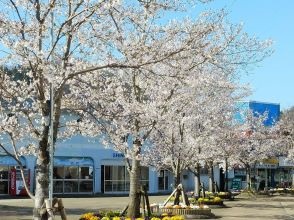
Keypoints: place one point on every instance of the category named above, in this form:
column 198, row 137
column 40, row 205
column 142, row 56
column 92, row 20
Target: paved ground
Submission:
column 276, row 207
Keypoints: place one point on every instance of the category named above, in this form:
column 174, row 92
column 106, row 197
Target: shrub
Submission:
column 217, row 199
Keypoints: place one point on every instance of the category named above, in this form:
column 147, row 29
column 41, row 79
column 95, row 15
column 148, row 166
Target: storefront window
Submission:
column 117, row 179
column 71, row 172
column 71, row 186
column 86, row 186
column 144, row 174
column 4, row 180
column 58, row 172
column 73, row 179
column 58, row 186
column 163, row 180
column 86, row 172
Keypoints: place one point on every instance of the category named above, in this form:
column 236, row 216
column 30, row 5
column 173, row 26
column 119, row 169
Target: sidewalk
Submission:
column 276, row 207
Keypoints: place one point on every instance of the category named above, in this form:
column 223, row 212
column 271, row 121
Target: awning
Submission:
column 73, row 161
column 9, row 161
column 111, row 162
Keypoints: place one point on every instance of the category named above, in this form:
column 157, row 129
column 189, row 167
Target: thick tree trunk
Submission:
column 135, row 195
column 177, row 180
column 248, row 178
column 41, row 191
column 177, row 177
column 211, row 178
column 227, row 176
column 197, row 190
column 42, row 165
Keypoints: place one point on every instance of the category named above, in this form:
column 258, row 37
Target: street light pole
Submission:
column 51, row 140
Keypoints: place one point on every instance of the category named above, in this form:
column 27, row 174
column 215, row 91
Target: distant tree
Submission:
column 286, row 133
column 255, row 142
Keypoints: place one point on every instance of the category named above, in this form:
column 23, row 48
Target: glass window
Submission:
column 3, row 186
column 86, row 186
column 107, row 172
column 144, row 173
column 71, row 172
column 86, row 172
column 4, row 172
column 163, row 180
column 71, row 187
column 4, row 179
column 73, row 179
column 117, row 179
column 108, row 186
column 58, row 172
column 144, row 177
column 58, row 186
column 118, row 173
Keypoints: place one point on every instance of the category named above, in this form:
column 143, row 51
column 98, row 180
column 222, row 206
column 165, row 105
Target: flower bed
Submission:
column 225, row 195
column 97, row 216
column 173, row 211
column 210, row 201
column 185, row 210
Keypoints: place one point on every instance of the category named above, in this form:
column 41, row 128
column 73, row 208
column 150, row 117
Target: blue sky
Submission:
column 273, row 79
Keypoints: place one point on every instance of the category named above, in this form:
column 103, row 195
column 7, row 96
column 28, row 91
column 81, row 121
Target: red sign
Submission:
column 12, row 188
column 16, row 182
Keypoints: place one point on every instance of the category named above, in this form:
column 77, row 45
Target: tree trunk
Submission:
column 42, row 165
column 227, row 178
column 177, row 177
column 41, row 191
column 211, row 177
column 197, row 190
column 248, row 177
column 135, row 195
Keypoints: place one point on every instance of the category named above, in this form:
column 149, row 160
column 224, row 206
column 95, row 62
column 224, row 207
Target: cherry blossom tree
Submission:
column 286, row 133
column 256, row 142
column 111, row 65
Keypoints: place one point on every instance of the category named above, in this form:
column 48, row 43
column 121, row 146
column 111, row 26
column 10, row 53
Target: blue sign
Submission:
column 118, row 155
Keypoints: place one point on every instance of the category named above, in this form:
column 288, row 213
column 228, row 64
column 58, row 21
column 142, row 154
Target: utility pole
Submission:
column 51, row 141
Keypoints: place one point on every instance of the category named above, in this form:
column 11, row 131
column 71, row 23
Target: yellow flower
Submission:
column 177, row 217
column 154, row 218
column 116, row 218
column 166, row 218
column 139, row 218
column 88, row 216
column 94, row 218
column 105, row 218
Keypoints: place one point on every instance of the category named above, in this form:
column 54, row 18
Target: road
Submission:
column 264, row 208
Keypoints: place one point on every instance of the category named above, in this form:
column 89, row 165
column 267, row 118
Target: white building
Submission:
column 86, row 167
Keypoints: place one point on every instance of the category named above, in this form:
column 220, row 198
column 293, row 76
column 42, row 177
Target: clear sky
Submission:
column 273, row 79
